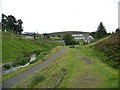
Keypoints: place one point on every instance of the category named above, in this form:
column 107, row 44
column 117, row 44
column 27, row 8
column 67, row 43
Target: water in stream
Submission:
column 33, row 58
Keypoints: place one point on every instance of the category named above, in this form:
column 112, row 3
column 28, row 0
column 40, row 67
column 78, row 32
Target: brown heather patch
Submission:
column 111, row 48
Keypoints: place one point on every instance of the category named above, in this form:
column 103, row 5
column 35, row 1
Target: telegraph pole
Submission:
column 119, row 14
column 12, row 33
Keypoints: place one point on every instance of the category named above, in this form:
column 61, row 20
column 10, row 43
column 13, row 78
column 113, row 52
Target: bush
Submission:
column 6, row 66
column 36, row 79
column 72, row 46
column 73, row 42
column 21, row 61
column 33, row 61
column 27, row 54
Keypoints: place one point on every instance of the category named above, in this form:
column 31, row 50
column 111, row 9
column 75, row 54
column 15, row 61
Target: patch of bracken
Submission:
column 111, row 48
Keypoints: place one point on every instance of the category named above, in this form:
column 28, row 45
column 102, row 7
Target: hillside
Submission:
column 78, row 67
column 20, row 47
column 111, row 48
column 0, row 47
column 72, row 32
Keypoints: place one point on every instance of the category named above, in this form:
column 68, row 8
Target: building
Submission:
column 79, row 36
column 30, row 35
column 86, row 38
column 60, row 41
column 89, row 39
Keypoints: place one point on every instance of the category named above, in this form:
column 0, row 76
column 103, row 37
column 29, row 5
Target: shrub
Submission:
column 33, row 61
column 36, row 79
column 21, row 61
column 73, row 42
column 72, row 46
column 6, row 66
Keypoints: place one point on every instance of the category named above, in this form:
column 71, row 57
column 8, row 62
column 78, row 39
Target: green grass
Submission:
column 111, row 48
column 106, row 77
column 40, row 59
column 97, row 41
column 47, row 71
column 79, row 75
column 0, row 47
column 0, row 50
column 19, row 46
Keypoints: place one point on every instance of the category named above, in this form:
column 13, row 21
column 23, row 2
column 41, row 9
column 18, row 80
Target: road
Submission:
column 10, row 82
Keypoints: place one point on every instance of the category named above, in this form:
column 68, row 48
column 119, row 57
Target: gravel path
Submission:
column 8, row 83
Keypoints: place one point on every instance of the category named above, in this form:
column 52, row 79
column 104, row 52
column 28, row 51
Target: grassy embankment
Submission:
column 111, row 49
column 20, row 47
column 0, row 50
column 80, row 67
column 0, row 47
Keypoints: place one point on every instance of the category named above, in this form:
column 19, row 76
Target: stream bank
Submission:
column 32, row 59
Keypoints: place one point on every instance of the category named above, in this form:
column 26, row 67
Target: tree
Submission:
column 68, row 38
column 18, row 26
column 10, row 24
column 92, row 34
column 4, row 22
column 100, row 33
column 117, row 30
column 34, row 35
column 46, row 35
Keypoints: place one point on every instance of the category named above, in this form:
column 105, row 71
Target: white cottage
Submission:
column 87, row 39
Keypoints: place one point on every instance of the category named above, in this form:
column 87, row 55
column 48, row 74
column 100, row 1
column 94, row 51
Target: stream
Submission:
column 33, row 58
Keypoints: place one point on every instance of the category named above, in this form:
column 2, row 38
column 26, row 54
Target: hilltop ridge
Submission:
column 72, row 32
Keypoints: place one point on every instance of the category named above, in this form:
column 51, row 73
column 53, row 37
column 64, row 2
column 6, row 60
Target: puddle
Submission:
column 86, row 60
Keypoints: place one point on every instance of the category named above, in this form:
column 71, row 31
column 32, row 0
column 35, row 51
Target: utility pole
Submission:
column 13, row 30
column 12, row 33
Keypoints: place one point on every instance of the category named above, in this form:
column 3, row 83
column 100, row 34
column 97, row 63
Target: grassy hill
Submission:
column 21, row 47
column 72, row 32
column 0, row 46
column 111, row 49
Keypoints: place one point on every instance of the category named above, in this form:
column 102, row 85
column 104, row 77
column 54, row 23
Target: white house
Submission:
column 78, row 36
column 87, row 39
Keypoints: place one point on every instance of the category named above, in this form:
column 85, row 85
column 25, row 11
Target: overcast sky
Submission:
column 46, row 16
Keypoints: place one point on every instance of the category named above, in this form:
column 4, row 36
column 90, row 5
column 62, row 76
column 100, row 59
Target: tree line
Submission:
column 11, row 24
